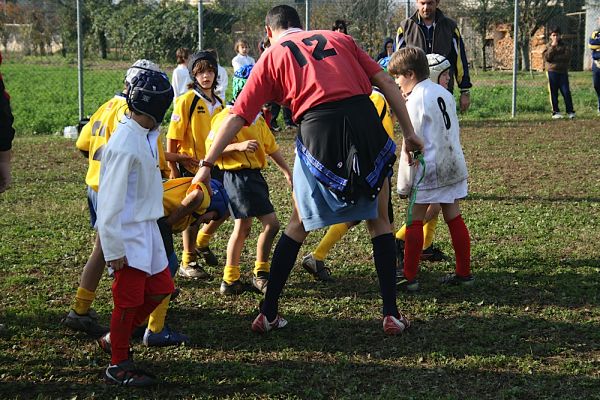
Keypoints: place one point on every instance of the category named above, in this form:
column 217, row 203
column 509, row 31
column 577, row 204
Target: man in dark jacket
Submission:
column 557, row 57
column 430, row 30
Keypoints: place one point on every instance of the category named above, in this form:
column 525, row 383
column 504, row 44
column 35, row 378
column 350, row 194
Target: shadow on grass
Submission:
column 313, row 379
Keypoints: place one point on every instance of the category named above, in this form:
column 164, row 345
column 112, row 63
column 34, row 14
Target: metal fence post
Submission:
column 515, row 59
column 200, row 25
column 80, row 60
column 307, row 16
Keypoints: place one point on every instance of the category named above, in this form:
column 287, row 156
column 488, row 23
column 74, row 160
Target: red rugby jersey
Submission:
column 304, row 69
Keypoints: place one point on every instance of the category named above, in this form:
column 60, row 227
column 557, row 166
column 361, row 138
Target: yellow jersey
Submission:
column 96, row 133
column 174, row 191
column 191, row 126
column 236, row 160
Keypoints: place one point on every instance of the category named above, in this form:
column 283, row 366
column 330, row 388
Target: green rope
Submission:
column 417, row 155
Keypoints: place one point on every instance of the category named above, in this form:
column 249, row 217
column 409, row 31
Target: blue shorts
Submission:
column 92, row 198
column 319, row 207
column 248, row 193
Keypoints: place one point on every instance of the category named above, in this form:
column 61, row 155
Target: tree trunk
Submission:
column 102, row 44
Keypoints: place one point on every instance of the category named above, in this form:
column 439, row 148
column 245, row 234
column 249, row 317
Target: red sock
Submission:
column 462, row 245
column 413, row 247
column 121, row 325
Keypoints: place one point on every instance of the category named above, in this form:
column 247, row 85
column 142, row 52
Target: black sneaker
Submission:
column 232, row 289
column 126, row 374
column 405, row 285
column 260, row 281
column 316, row 268
column 208, row 255
column 456, row 280
column 433, row 254
column 87, row 323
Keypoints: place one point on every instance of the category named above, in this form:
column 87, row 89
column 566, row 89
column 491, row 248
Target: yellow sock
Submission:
column 83, row 300
column 231, row 273
column 401, row 234
column 334, row 234
column 156, row 323
column 188, row 257
column 202, row 240
column 261, row 266
column 429, row 232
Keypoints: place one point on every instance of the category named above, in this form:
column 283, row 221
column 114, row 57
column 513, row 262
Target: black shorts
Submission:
column 248, row 193
column 346, row 148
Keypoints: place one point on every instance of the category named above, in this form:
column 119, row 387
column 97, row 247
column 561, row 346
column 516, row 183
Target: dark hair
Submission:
column 340, row 24
column 409, row 59
column 554, row 29
column 182, row 54
column 283, row 17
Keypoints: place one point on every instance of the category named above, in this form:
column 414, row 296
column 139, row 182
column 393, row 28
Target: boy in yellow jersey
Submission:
column 314, row 262
column 91, row 142
column 248, row 192
column 188, row 129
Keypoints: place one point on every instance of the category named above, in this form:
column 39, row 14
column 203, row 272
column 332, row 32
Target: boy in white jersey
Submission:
column 442, row 178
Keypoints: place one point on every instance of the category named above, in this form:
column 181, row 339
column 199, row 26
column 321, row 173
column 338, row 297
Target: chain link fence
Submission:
column 38, row 40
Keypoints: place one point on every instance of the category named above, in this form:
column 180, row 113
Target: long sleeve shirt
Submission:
column 130, row 194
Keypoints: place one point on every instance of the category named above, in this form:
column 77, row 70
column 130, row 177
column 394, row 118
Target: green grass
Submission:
column 44, row 92
column 530, row 328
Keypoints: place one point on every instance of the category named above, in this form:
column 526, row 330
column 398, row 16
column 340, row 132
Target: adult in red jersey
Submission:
column 7, row 133
column 343, row 152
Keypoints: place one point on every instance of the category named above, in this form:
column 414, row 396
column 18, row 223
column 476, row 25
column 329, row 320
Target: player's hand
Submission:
column 248, row 145
column 465, row 101
column 118, row 264
column 289, row 180
column 412, row 143
column 203, row 175
column 188, row 162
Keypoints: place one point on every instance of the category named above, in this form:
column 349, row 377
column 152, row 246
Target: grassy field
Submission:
column 529, row 329
column 45, row 99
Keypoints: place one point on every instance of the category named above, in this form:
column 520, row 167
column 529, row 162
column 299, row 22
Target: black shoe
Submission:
column 316, row 268
column 87, row 323
column 456, row 280
column 260, row 281
column 125, row 374
column 405, row 285
column 232, row 289
column 208, row 255
column 433, row 254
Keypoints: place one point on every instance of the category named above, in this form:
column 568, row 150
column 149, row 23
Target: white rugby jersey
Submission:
column 432, row 111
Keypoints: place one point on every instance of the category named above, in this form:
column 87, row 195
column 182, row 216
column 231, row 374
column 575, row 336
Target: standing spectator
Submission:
column 387, row 49
column 181, row 75
column 7, row 134
column 594, row 44
column 340, row 26
column 326, row 104
column 557, row 57
column 222, row 78
column 242, row 58
column 429, row 29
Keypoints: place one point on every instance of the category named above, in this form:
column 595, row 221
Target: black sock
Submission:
column 384, row 254
column 284, row 258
